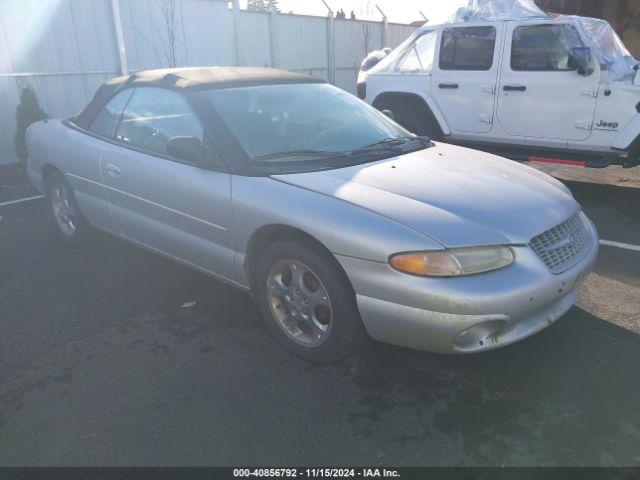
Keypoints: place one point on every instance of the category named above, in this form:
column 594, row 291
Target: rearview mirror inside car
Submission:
column 581, row 59
column 186, row 148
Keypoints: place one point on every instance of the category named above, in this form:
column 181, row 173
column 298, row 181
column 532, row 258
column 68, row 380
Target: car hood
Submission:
column 457, row 196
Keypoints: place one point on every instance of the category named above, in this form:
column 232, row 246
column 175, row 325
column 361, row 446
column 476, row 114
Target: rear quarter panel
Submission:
column 52, row 144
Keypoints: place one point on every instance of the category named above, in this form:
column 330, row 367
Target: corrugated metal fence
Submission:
column 66, row 48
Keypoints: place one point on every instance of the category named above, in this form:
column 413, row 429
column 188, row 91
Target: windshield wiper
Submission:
column 298, row 153
column 390, row 144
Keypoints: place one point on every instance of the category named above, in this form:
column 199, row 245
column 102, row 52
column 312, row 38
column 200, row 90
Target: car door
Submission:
column 179, row 208
column 82, row 152
column 542, row 93
column 465, row 76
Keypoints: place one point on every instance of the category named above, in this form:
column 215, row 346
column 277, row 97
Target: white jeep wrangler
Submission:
column 551, row 89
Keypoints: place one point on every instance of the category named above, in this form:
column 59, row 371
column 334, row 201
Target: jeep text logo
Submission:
column 607, row 125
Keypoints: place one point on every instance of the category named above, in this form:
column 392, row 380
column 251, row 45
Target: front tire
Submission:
column 67, row 220
column 307, row 302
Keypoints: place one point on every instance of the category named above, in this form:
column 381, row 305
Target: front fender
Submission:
column 407, row 85
column 342, row 227
column 629, row 134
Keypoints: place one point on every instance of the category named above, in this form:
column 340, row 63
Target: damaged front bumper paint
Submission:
column 465, row 314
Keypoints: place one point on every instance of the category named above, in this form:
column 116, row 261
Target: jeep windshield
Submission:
column 304, row 127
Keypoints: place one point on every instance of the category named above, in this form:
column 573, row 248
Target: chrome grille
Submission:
column 563, row 246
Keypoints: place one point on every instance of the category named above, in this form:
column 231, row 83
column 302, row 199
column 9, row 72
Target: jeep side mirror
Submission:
column 581, row 59
column 186, row 148
column 373, row 58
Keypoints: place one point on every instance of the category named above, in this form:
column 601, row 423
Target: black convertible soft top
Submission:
column 190, row 79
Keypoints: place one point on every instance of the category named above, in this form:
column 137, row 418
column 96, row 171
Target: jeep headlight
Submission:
column 453, row 263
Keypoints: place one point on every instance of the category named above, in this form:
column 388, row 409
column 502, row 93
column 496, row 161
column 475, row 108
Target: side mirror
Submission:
column 581, row 58
column 186, row 148
column 389, row 114
column 373, row 59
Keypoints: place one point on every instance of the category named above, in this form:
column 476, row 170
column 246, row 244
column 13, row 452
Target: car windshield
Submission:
column 308, row 124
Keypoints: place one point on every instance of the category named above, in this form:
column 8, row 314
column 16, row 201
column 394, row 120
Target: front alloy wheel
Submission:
column 307, row 301
column 299, row 302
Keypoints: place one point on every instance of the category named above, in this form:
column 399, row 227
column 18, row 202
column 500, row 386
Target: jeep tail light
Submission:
column 362, row 90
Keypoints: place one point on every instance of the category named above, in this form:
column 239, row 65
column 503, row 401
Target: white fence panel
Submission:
column 68, row 48
column 253, row 39
column 208, row 33
column 301, row 44
column 396, row 34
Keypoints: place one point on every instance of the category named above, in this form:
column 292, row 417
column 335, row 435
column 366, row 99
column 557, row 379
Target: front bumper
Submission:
column 466, row 314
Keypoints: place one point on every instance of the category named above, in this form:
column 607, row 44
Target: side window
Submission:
column 467, row 48
column 542, row 48
column 106, row 122
column 156, row 115
column 419, row 58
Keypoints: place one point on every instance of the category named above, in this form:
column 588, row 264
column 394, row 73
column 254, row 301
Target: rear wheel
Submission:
column 307, row 302
column 66, row 218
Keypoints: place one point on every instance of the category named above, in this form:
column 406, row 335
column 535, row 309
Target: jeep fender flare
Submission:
column 424, row 100
column 628, row 136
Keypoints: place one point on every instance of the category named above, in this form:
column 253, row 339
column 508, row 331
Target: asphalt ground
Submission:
column 101, row 364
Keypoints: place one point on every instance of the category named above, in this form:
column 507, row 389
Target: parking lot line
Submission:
column 625, row 246
column 21, row 200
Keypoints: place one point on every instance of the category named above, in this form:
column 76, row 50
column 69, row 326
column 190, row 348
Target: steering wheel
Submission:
column 323, row 126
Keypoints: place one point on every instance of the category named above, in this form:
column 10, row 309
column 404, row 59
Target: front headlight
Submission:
column 453, row 263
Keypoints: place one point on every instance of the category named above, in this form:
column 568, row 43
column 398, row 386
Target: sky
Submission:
column 401, row 11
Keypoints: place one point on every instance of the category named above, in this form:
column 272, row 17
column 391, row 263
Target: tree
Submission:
column 172, row 24
column 257, row 5
column 28, row 111
column 367, row 27
column 263, row 5
column 168, row 34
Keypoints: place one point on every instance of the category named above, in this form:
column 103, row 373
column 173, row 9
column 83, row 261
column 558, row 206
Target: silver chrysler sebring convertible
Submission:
column 338, row 221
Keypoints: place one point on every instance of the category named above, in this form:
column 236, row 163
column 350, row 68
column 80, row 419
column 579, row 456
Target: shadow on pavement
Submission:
column 105, row 366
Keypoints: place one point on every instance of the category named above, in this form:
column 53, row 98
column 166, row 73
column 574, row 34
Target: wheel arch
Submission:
column 419, row 103
column 629, row 136
column 266, row 235
column 47, row 170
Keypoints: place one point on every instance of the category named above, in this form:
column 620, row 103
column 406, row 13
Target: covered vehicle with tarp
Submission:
column 503, row 75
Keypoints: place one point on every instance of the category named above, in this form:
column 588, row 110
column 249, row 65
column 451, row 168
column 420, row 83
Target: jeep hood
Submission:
column 457, row 196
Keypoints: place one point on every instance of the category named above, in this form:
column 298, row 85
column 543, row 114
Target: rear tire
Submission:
column 307, row 302
column 66, row 218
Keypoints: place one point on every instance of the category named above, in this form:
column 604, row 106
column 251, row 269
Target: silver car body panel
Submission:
column 441, row 197
column 457, row 196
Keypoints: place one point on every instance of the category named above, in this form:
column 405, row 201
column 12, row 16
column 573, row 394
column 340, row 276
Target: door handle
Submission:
column 451, row 86
column 515, row 88
column 112, row 170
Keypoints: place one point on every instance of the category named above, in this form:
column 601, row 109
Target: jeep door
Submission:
column 465, row 75
column 543, row 93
